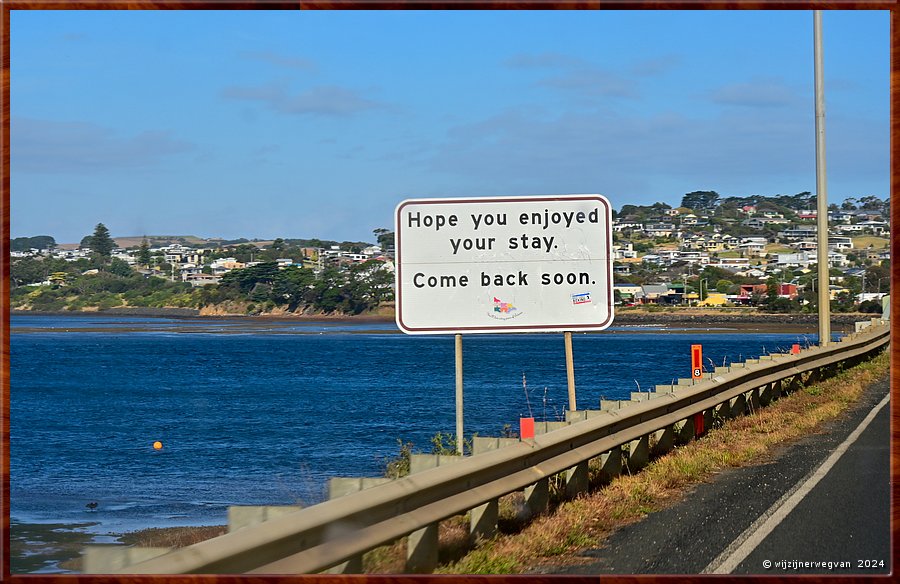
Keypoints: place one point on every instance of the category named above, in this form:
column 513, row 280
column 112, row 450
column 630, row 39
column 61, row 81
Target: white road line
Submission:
column 747, row 541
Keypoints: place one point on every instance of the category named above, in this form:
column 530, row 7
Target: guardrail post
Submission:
column 611, row 464
column 753, row 402
column 352, row 566
column 737, row 406
column 795, row 383
column 665, row 440
column 338, row 487
column 686, row 431
column 483, row 519
column 103, row 559
column 639, row 453
column 422, row 550
column 723, row 410
column 577, row 479
column 766, row 394
column 708, row 419
column 537, row 497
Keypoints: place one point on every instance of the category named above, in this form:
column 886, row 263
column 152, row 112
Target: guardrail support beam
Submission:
column 422, row 550
column 639, row 453
column 737, row 406
column 722, row 411
column 352, row 566
column 753, row 401
column 665, row 440
column 483, row 520
column 686, row 431
column 577, row 480
column 611, row 464
column 537, row 497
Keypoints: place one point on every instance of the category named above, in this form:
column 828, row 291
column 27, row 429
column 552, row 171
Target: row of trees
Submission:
column 357, row 289
column 107, row 284
column 710, row 202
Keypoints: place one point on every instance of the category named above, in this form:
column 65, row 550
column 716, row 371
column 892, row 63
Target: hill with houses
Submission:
column 708, row 251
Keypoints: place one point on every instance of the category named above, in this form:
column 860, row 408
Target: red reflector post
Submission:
column 698, row 425
column 526, row 428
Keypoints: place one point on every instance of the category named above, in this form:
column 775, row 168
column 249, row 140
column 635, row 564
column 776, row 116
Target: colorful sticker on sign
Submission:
column 504, row 310
column 583, row 298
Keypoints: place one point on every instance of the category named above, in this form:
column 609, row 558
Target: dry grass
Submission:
column 586, row 521
column 865, row 241
column 173, row 537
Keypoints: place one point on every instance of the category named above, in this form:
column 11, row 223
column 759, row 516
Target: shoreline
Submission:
column 627, row 316
column 57, row 548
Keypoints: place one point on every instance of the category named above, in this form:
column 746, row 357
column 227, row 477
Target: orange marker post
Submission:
column 696, row 361
column 795, row 349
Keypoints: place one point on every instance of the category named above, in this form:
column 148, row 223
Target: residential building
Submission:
column 654, row 293
column 763, row 222
column 794, row 259
column 731, row 264
column 838, row 242
column 798, row 233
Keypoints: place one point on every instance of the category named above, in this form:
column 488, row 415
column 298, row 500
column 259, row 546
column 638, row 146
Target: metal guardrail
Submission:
column 322, row 536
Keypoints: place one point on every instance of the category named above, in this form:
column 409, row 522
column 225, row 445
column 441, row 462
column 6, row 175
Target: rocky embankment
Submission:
column 719, row 317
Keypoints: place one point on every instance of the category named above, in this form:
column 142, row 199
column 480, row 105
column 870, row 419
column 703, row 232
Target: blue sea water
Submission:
column 264, row 412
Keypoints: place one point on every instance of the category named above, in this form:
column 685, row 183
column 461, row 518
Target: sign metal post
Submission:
column 570, row 370
column 459, row 394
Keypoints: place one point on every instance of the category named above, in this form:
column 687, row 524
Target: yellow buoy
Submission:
column 157, row 445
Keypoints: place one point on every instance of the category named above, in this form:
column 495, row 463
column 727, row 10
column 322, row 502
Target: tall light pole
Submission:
column 821, row 188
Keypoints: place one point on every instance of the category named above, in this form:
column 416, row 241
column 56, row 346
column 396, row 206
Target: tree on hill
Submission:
column 871, row 203
column 36, row 242
column 700, row 200
column 100, row 242
column 384, row 237
column 27, row 271
column 143, row 254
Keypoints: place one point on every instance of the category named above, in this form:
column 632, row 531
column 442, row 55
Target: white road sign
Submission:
column 504, row 264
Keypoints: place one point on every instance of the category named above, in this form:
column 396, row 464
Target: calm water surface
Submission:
column 264, row 412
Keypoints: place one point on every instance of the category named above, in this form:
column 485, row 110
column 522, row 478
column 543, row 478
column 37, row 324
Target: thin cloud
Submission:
column 756, row 93
column 541, row 61
column 657, row 66
column 534, row 149
column 575, row 76
column 280, row 60
column 592, row 82
column 328, row 100
column 58, row 147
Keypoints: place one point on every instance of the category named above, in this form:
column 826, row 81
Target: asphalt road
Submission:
column 746, row 517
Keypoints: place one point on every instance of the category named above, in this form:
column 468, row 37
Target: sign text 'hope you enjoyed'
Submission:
column 504, row 264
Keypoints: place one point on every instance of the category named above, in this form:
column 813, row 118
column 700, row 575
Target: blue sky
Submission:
column 316, row 124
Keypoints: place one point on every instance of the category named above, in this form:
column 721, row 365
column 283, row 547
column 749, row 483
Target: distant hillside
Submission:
column 157, row 240
column 192, row 240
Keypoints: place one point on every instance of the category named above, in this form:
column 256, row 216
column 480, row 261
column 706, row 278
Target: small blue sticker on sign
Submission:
column 583, row 298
